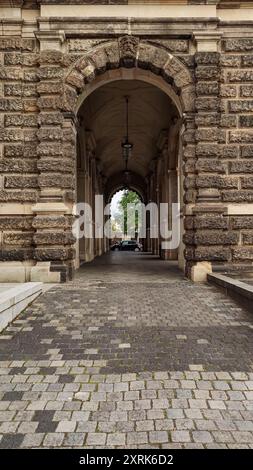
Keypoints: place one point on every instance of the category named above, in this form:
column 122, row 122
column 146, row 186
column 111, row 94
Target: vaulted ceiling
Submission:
column 104, row 113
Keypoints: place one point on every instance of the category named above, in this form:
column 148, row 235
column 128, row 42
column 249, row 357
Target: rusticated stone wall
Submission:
column 38, row 103
column 221, row 231
column 18, row 136
column 237, row 122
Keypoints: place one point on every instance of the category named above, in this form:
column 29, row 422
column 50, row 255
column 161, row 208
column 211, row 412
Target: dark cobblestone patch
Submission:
column 11, row 441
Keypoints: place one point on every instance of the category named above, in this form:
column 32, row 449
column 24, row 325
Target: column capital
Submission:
column 50, row 40
column 207, row 40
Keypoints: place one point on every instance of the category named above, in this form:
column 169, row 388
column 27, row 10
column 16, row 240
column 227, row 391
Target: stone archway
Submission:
column 129, row 53
column 57, row 148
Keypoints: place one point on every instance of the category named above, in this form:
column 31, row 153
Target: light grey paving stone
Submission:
column 53, row 439
column 174, row 413
column 96, row 439
column 27, row 427
column 142, row 404
column 158, row 437
column 217, row 404
column 222, row 436
column 205, row 425
column 184, row 424
column 137, row 385
column 202, row 436
column 80, row 415
column 180, row 436
column 75, row 439
column 193, row 445
column 126, row 426
column 116, row 439
column 225, row 425
column 243, row 437
column 8, row 427
column 164, row 425
column 146, row 425
column 244, row 425
column 106, row 427
column 193, row 413
column 160, row 404
column 137, row 438
column 198, row 404
column 33, row 440
column 125, row 405
column 86, row 426
column 138, row 415
column 66, row 426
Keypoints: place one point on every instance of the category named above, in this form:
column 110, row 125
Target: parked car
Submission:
column 127, row 245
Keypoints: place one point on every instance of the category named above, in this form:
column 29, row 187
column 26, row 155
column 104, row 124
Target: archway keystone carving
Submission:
column 129, row 52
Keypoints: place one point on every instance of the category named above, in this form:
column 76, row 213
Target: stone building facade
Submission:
column 54, row 56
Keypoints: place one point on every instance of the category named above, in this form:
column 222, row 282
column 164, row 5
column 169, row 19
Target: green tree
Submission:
column 128, row 197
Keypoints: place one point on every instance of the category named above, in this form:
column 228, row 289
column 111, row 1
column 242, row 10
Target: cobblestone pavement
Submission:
column 128, row 355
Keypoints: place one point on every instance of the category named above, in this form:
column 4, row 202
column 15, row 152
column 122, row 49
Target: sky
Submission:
column 114, row 202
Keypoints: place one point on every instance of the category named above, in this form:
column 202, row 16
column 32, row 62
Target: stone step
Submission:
column 15, row 298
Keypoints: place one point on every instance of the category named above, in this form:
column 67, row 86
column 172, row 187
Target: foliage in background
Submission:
column 120, row 218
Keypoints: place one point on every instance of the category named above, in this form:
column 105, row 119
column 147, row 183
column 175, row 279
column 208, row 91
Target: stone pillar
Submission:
column 54, row 252
column 205, row 247
column 18, row 152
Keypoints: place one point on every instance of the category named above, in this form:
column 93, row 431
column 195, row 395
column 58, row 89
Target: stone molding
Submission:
column 207, row 40
column 50, row 40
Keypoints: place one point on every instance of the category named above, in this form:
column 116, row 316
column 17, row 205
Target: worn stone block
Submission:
column 247, row 182
column 228, row 91
column 207, row 73
column 207, row 150
column 238, row 45
column 210, row 165
column 242, row 253
column 216, row 181
column 56, row 180
column 241, row 166
column 230, row 151
column 228, row 120
column 237, row 76
column 21, row 182
column 241, row 222
column 11, row 135
column 247, row 238
column 18, row 196
column 241, row 136
column 207, row 104
column 207, row 119
column 207, row 134
column 246, row 91
column 7, row 104
column 207, row 221
column 237, row 196
column 50, row 134
column 246, row 121
column 247, row 151
column 229, row 60
column 240, row 106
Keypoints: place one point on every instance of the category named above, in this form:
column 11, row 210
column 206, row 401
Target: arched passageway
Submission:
column 154, row 167
column 88, row 129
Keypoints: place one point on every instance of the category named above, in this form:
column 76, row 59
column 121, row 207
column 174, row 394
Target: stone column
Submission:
column 205, row 246
column 54, row 252
column 18, row 151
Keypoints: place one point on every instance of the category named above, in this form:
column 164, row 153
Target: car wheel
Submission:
column 116, row 249
column 137, row 249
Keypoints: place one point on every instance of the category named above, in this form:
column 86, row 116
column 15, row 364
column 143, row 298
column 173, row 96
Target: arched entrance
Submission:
column 123, row 61
column 153, row 168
